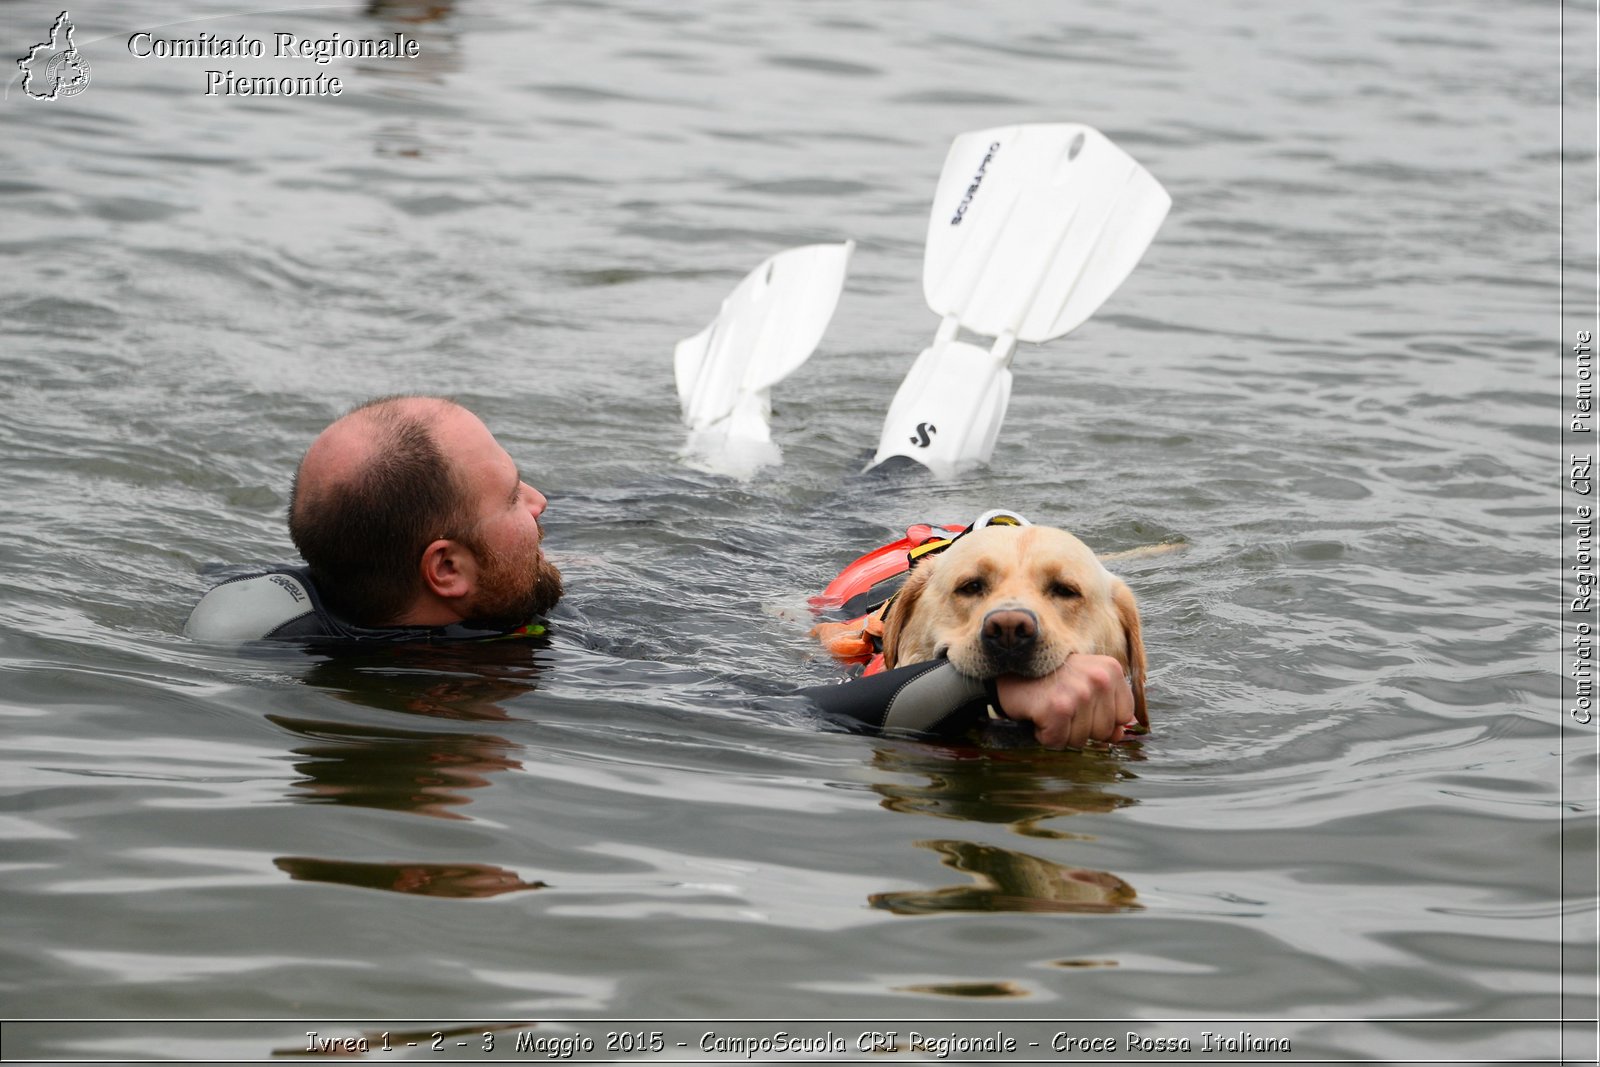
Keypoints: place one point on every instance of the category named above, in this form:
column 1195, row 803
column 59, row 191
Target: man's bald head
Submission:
column 373, row 490
column 347, row 448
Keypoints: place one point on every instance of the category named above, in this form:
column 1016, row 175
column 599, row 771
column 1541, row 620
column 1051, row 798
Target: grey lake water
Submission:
column 1363, row 825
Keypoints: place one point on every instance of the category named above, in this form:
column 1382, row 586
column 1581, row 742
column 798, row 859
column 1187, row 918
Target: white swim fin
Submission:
column 768, row 326
column 1033, row 227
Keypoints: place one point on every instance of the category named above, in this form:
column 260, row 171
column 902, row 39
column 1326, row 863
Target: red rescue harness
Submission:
column 866, row 587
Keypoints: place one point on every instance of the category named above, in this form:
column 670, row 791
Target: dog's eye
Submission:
column 1063, row 590
column 971, row 587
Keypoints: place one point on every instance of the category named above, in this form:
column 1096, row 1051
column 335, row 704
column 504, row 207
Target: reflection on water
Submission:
column 418, row 771
column 1011, row 881
column 423, row 772
column 407, row 134
column 1013, row 787
column 1020, row 788
column 455, row 881
column 394, row 770
column 978, row 990
column 410, row 11
column 460, row 680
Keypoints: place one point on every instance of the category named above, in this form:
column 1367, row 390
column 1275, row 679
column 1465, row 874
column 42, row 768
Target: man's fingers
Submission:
column 1103, row 702
column 1086, row 700
column 1087, row 724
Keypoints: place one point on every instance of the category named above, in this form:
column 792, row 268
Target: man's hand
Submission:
column 1087, row 699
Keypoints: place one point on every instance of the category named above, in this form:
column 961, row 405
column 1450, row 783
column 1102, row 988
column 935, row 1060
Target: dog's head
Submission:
column 1015, row 600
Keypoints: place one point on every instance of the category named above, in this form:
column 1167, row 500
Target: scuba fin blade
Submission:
column 1033, row 227
column 768, row 326
column 947, row 413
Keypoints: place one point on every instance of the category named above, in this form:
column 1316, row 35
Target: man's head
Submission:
column 408, row 511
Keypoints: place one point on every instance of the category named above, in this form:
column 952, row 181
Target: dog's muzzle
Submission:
column 1009, row 636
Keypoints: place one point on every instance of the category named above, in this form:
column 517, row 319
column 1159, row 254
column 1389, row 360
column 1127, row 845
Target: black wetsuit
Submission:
column 283, row 604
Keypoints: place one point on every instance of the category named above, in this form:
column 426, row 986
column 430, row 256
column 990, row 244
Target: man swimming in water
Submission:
column 416, row 524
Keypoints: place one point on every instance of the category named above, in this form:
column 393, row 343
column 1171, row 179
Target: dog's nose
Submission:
column 1009, row 631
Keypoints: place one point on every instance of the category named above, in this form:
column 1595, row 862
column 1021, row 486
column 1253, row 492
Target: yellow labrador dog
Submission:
column 1015, row 600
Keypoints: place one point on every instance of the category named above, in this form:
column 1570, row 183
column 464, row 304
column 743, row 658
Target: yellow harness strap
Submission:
column 988, row 518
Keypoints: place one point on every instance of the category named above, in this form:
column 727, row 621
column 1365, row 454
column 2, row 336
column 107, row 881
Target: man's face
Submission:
column 515, row 581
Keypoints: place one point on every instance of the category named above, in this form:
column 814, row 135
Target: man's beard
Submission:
column 511, row 591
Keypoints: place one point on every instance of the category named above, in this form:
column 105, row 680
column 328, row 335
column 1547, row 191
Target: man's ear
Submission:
column 449, row 569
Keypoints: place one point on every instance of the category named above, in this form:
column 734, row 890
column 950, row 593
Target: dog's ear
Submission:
column 1132, row 636
column 901, row 608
